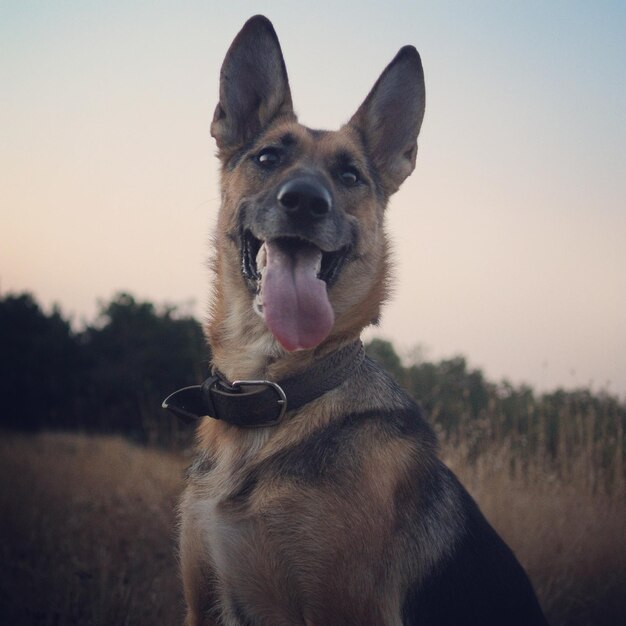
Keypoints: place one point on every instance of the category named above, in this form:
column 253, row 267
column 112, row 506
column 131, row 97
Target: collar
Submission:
column 255, row 403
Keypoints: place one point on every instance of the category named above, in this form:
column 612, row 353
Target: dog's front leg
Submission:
column 199, row 592
column 199, row 581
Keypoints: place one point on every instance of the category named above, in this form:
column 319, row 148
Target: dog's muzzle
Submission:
column 293, row 246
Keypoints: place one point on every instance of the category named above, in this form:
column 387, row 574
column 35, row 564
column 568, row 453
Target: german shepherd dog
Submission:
column 317, row 497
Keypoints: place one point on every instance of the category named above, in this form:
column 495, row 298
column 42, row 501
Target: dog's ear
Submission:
column 254, row 88
column 391, row 117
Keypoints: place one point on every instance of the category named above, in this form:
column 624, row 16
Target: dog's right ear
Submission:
column 254, row 88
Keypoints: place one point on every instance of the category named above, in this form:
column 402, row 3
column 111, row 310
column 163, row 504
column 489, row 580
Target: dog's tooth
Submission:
column 257, row 305
column 318, row 266
column 261, row 258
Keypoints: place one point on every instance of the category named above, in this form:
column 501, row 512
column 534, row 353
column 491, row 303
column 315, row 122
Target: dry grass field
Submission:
column 88, row 532
column 568, row 532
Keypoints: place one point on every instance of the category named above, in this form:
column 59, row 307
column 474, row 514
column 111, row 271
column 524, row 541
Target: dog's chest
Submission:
column 250, row 550
column 233, row 527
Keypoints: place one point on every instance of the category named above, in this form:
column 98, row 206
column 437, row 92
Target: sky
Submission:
column 509, row 237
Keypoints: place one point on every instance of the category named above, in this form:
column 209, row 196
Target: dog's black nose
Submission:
column 306, row 196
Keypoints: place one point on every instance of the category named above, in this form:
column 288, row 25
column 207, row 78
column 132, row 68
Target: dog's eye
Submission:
column 349, row 176
column 268, row 157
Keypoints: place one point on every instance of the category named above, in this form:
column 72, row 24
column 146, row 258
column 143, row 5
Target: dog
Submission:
column 317, row 497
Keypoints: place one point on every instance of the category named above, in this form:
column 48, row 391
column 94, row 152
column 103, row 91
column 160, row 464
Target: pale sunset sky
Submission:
column 510, row 236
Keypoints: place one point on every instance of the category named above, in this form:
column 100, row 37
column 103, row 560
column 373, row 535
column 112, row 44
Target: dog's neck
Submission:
column 243, row 348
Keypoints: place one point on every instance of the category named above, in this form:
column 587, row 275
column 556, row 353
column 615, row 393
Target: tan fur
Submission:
column 288, row 563
column 340, row 514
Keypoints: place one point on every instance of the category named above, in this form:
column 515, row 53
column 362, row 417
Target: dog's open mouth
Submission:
column 291, row 278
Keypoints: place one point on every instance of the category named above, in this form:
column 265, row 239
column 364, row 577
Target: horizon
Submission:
column 508, row 237
column 408, row 355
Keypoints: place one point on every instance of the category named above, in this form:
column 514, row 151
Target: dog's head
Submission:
column 301, row 250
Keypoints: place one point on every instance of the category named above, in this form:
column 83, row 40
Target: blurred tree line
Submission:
column 109, row 377
column 112, row 376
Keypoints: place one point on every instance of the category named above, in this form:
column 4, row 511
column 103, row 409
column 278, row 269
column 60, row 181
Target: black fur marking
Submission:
column 203, row 464
column 328, row 451
column 330, row 455
column 234, row 160
column 240, row 614
column 480, row 583
column 346, row 158
column 288, row 140
column 241, row 496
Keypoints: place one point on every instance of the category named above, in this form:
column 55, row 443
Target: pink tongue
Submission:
column 295, row 302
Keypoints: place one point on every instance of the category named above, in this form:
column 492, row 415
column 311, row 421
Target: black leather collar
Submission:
column 255, row 403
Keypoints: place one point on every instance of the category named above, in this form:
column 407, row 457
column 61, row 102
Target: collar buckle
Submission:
column 281, row 401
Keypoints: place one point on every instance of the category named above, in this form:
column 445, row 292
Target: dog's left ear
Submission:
column 391, row 117
column 254, row 88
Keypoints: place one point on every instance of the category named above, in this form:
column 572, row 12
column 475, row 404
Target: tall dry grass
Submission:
column 556, row 491
column 569, row 534
column 88, row 527
column 87, row 531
